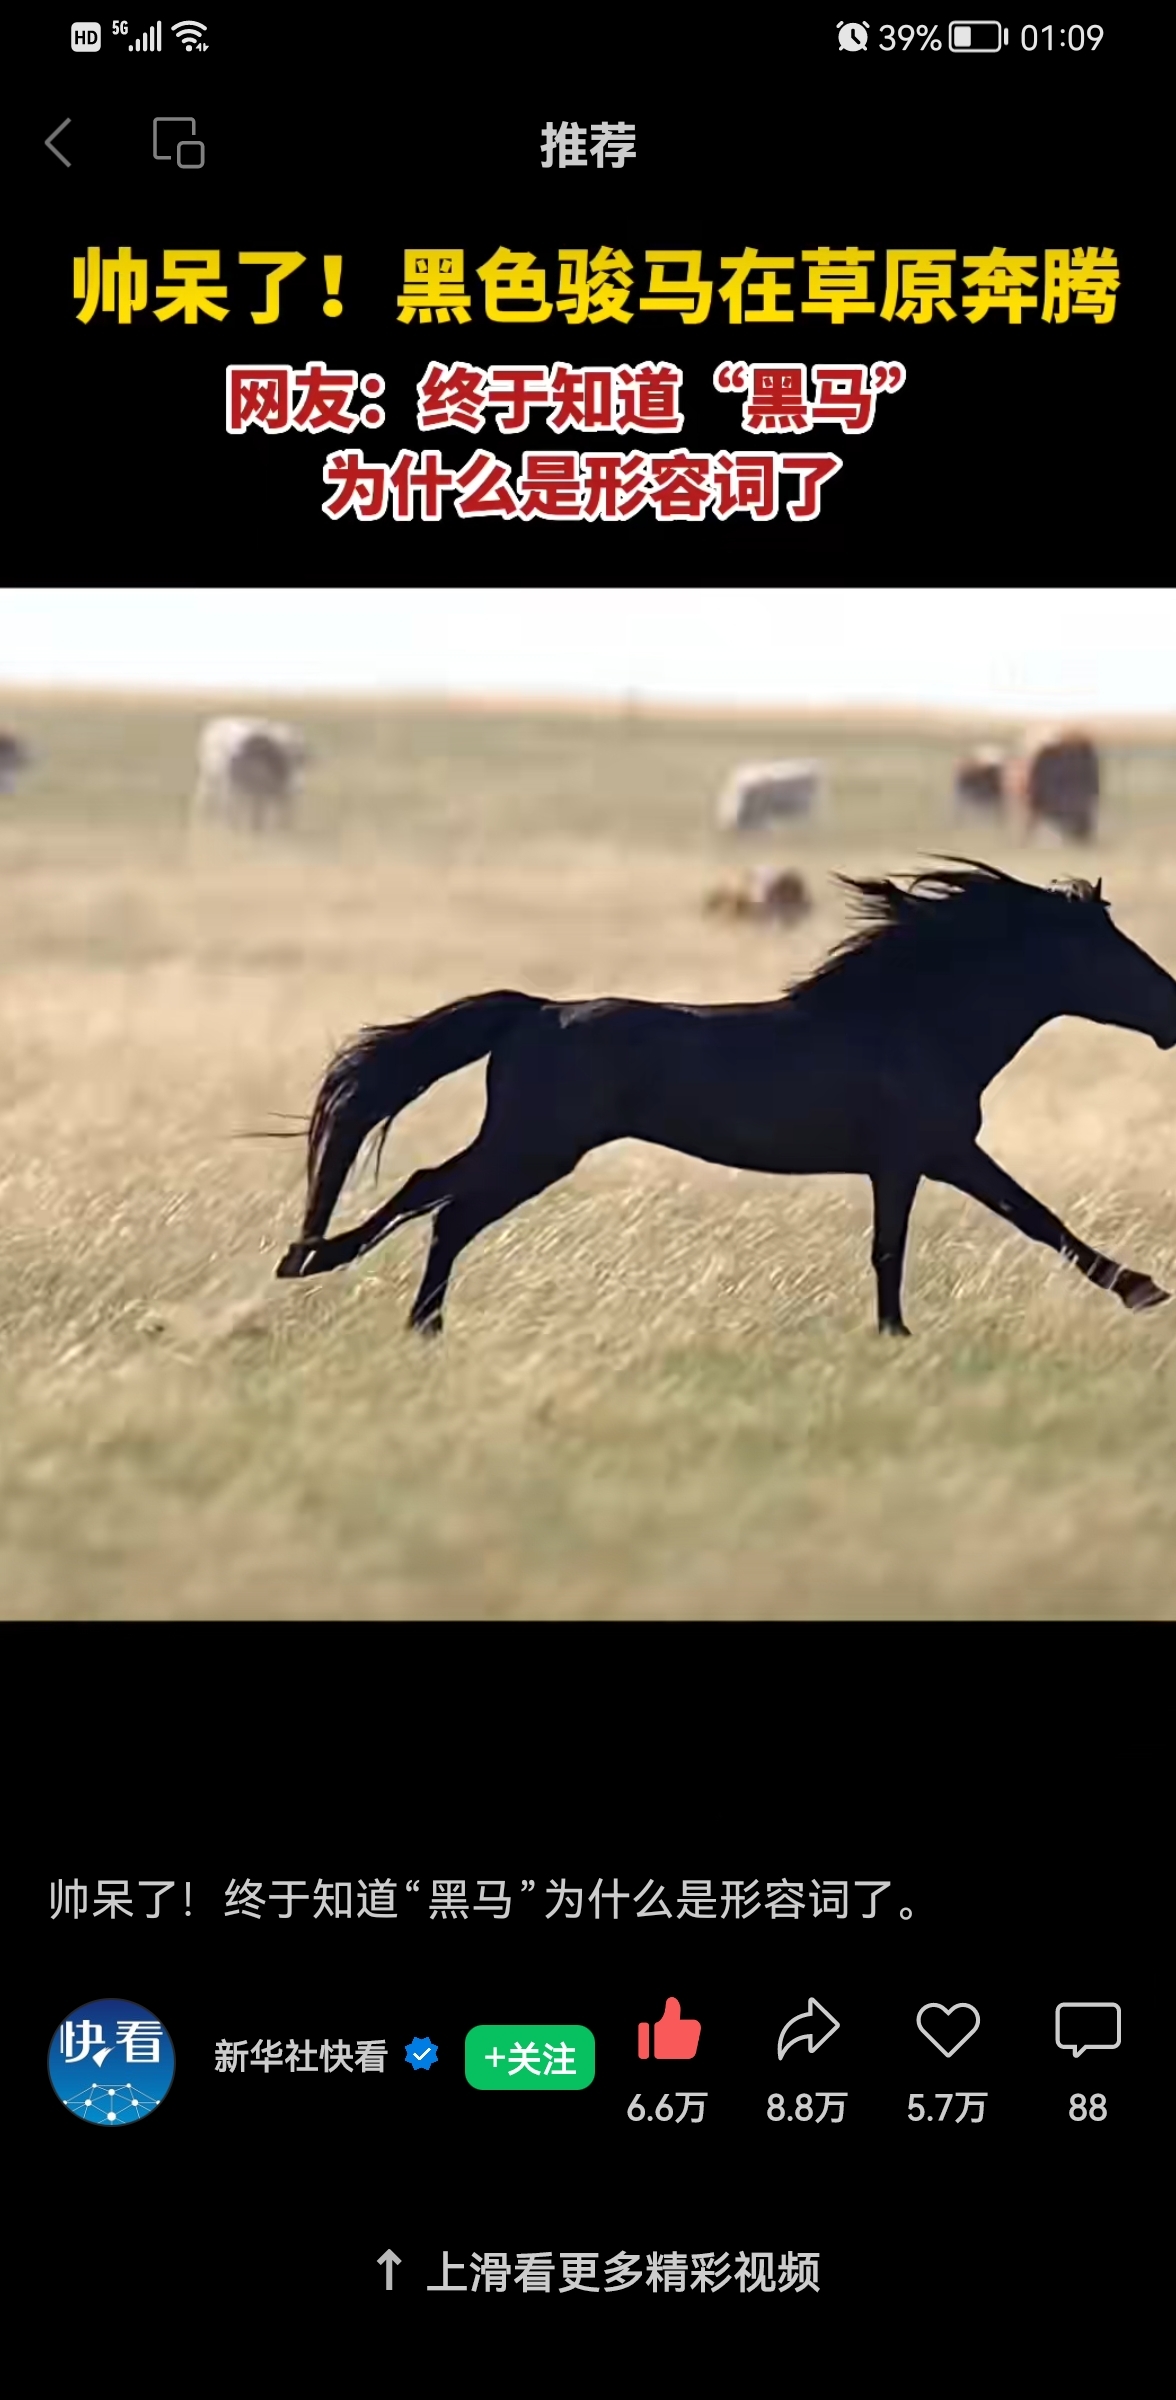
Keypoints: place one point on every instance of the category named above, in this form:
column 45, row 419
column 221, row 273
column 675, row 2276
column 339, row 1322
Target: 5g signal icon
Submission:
column 189, row 31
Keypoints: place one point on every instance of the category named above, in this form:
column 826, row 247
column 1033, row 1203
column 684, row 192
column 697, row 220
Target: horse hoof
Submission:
column 298, row 1260
column 900, row 1331
column 430, row 1327
column 1138, row 1291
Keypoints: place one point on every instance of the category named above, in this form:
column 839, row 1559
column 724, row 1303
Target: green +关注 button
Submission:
column 530, row 2058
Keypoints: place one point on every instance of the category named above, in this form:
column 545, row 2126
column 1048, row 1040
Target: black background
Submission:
column 1014, row 454
column 1006, row 1779
column 1012, row 1822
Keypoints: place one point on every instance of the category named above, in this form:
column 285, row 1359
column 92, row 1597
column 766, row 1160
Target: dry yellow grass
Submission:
column 659, row 1393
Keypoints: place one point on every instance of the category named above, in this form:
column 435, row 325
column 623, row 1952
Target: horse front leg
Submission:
column 974, row 1172
column 894, row 1192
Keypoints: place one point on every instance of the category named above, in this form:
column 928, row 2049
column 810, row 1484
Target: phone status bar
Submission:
column 966, row 37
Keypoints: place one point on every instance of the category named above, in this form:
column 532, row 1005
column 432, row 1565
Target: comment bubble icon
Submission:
column 1081, row 2025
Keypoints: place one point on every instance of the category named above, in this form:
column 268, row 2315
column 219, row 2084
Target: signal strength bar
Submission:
column 152, row 39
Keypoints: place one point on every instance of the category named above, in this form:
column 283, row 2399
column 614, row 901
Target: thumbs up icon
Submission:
column 674, row 2036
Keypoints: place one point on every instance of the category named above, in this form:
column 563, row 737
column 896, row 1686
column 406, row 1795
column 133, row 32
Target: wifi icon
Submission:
column 188, row 31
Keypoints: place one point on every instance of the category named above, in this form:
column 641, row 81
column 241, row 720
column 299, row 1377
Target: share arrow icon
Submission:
column 814, row 2027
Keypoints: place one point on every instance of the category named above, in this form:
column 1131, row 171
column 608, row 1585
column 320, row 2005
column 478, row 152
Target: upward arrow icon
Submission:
column 814, row 2026
column 387, row 2260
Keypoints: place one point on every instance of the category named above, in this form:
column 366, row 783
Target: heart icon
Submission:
column 967, row 2023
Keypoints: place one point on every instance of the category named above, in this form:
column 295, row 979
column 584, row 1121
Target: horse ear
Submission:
column 1098, row 889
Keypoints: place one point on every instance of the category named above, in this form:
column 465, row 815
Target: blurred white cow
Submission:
column 769, row 795
column 14, row 757
column 247, row 772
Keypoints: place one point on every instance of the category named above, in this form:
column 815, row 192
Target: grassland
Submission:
column 659, row 1394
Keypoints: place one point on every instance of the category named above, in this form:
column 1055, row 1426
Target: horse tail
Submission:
column 380, row 1071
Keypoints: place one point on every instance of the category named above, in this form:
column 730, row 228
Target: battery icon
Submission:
column 975, row 33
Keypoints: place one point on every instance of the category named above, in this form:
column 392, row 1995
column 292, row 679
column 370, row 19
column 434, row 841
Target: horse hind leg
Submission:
column 456, row 1226
column 317, row 1253
column 464, row 1201
column 509, row 1161
column 481, row 1204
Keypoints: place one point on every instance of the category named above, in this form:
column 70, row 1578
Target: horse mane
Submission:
column 939, row 918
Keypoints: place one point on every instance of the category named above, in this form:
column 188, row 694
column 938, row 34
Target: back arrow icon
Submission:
column 51, row 140
column 804, row 2029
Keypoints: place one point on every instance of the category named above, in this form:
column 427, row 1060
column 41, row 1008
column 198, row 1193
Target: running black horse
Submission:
column 872, row 1065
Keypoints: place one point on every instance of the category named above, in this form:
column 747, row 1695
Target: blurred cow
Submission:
column 757, row 796
column 248, row 771
column 980, row 783
column 1055, row 782
column 769, row 896
column 14, row 757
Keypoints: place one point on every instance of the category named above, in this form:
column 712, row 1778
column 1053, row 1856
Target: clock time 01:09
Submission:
column 1061, row 37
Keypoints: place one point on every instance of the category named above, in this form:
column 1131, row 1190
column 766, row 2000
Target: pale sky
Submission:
column 1042, row 652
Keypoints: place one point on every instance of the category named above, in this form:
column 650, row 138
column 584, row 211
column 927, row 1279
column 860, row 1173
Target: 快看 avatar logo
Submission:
column 111, row 2062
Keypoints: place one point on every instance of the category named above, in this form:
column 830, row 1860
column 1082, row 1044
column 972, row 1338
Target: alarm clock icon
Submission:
column 851, row 37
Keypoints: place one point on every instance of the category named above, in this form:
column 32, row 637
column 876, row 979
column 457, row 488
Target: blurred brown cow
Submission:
column 1054, row 781
column 980, row 782
column 770, row 895
column 14, row 757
